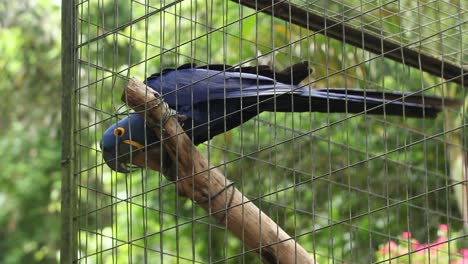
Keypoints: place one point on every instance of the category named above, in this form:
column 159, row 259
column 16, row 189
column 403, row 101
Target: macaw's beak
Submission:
column 130, row 154
column 120, row 158
column 150, row 158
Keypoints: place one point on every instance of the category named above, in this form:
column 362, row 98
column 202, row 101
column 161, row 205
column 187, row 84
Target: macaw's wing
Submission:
column 188, row 86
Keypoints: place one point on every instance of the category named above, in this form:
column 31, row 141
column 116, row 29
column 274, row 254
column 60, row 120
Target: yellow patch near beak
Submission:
column 133, row 143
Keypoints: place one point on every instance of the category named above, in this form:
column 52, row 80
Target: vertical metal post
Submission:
column 68, row 205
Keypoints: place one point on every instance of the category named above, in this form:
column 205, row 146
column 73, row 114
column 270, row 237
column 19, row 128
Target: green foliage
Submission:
column 30, row 175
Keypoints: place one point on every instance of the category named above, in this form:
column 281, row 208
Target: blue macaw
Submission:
column 213, row 99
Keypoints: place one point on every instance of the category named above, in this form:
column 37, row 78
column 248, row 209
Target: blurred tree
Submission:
column 29, row 120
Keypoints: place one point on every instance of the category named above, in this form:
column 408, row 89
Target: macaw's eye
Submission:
column 120, row 131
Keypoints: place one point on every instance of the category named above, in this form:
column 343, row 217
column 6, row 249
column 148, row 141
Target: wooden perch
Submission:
column 208, row 187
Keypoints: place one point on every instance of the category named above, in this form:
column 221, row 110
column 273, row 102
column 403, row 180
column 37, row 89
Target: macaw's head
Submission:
column 124, row 141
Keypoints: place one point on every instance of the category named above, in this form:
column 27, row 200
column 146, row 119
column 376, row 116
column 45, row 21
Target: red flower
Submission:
column 464, row 260
column 422, row 249
column 415, row 245
column 443, row 227
column 390, row 246
column 406, row 235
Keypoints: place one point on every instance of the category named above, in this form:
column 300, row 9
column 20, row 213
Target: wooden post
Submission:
column 208, row 187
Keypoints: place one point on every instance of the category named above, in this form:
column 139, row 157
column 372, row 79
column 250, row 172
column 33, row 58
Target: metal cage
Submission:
column 346, row 187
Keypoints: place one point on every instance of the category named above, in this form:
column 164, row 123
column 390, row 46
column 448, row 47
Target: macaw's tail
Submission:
column 337, row 100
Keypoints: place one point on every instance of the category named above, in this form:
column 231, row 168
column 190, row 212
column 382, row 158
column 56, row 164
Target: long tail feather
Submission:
column 434, row 101
column 354, row 101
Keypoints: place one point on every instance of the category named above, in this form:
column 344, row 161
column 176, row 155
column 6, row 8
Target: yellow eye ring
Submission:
column 119, row 131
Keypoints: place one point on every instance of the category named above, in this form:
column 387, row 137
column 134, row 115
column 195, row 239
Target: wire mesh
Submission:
column 345, row 186
column 418, row 24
